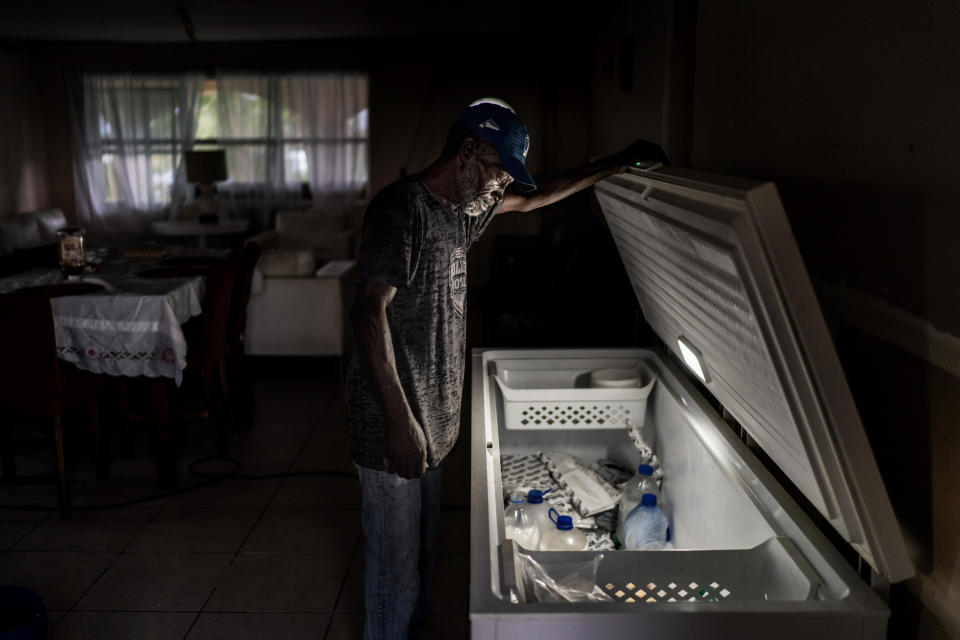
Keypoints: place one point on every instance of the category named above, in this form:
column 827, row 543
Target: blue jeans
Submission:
column 399, row 520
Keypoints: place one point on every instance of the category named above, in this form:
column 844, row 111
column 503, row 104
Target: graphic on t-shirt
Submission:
column 458, row 279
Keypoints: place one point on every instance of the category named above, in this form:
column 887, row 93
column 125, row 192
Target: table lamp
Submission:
column 205, row 168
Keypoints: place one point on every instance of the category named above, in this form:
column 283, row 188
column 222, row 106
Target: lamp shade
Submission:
column 206, row 166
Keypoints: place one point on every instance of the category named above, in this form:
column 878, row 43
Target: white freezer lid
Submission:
column 713, row 261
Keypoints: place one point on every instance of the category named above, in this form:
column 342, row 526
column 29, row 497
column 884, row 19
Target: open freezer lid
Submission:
column 718, row 276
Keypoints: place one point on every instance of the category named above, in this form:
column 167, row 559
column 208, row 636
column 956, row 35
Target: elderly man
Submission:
column 405, row 380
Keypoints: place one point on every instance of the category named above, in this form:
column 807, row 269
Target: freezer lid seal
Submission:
column 718, row 275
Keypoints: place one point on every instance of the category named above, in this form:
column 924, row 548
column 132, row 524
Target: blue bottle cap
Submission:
column 645, row 470
column 648, row 500
column 535, row 496
column 564, row 523
column 517, row 498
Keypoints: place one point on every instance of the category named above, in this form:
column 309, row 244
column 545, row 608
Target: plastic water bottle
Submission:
column 642, row 482
column 646, row 526
column 519, row 526
column 539, row 511
column 563, row 537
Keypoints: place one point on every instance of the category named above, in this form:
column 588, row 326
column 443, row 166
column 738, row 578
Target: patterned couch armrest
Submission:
column 31, row 229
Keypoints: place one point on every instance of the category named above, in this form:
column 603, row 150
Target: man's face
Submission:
column 482, row 181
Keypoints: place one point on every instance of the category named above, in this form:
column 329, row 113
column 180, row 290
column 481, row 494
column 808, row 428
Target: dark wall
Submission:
column 28, row 126
column 852, row 109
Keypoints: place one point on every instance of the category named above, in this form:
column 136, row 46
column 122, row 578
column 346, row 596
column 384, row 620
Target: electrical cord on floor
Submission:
column 212, row 478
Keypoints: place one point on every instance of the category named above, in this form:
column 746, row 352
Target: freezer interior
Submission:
column 733, row 539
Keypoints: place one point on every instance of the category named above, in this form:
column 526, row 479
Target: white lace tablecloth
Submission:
column 131, row 328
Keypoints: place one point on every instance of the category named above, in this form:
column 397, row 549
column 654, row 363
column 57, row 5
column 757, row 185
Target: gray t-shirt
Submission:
column 412, row 241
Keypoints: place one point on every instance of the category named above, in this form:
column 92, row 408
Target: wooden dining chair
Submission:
column 237, row 385
column 160, row 387
column 206, row 337
column 240, row 386
column 34, row 381
column 207, row 345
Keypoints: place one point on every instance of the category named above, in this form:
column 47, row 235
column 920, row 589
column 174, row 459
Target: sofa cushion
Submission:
column 48, row 222
column 317, row 229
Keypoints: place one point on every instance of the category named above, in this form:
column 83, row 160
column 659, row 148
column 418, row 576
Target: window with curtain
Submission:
column 282, row 132
column 131, row 132
column 289, row 129
column 139, row 129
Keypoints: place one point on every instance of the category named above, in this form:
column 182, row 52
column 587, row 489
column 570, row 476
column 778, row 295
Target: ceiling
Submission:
column 171, row 21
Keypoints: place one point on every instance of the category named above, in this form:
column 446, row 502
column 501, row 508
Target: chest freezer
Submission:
column 718, row 276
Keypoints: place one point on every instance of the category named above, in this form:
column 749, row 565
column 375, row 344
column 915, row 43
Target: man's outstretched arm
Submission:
column 556, row 187
column 406, row 444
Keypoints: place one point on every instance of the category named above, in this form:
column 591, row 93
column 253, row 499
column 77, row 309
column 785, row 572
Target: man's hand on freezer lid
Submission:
column 640, row 153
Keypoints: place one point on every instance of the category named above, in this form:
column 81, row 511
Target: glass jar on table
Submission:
column 70, row 248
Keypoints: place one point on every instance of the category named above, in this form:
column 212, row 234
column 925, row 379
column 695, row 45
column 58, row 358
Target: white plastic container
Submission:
column 642, row 482
column 562, row 397
column 614, row 378
column 564, row 536
column 646, row 526
column 518, row 525
column 539, row 511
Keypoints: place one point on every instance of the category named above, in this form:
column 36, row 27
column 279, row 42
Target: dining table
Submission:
column 132, row 327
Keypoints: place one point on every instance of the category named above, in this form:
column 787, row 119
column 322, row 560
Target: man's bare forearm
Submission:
column 551, row 188
column 406, row 445
column 376, row 350
column 555, row 187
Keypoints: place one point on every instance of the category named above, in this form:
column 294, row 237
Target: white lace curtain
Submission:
column 288, row 137
column 131, row 132
column 284, row 131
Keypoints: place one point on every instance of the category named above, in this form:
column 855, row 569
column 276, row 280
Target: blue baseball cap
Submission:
column 506, row 132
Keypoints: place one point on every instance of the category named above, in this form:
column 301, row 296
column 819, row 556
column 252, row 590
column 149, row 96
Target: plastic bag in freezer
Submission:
column 571, row 581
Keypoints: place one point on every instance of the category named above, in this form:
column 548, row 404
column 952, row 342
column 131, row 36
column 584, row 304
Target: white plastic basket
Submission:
column 556, row 395
column 774, row 570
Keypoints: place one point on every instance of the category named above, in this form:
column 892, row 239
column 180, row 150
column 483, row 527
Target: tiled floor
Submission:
column 246, row 557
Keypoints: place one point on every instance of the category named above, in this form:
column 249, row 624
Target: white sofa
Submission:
column 296, row 309
column 302, row 315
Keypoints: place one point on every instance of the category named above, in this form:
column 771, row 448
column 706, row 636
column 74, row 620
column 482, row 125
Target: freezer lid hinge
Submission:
column 734, row 424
